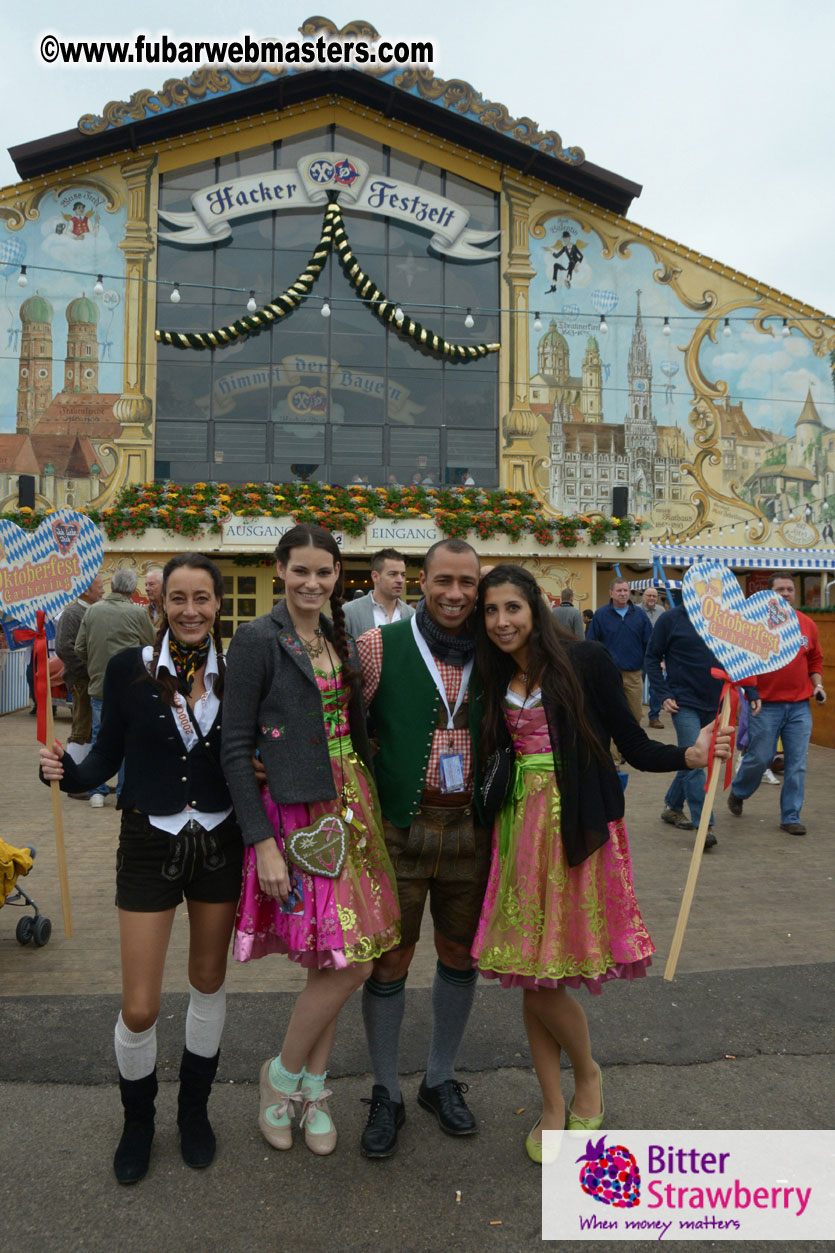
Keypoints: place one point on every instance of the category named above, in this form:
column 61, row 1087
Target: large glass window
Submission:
column 341, row 399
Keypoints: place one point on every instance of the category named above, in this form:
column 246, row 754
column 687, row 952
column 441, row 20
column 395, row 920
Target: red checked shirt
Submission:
column 370, row 649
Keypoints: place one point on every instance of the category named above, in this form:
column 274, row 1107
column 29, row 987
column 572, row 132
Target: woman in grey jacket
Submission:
column 318, row 884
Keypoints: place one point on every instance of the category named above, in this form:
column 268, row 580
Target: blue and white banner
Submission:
column 309, row 185
column 750, row 557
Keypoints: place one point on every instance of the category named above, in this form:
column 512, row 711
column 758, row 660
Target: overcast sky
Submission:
column 722, row 110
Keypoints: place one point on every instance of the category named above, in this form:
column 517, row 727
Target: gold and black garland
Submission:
column 334, row 236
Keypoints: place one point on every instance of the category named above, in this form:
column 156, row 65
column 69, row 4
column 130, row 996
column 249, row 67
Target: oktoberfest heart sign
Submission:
column 746, row 637
column 48, row 568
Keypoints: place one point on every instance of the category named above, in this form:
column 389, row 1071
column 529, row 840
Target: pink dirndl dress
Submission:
column 353, row 918
column 545, row 923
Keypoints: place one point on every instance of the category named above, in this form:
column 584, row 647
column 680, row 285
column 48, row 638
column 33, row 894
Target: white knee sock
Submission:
column 136, row 1051
column 204, row 1020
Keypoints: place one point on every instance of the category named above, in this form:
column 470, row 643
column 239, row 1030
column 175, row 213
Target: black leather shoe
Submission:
column 385, row 1118
column 734, row 803
column 446, row 1102
column 710, row 839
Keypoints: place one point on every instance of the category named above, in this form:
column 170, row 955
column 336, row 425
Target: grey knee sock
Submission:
column 382, row 1014
column 452, row 999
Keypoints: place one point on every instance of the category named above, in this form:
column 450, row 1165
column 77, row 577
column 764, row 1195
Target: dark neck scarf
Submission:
column 454, row 649
column 187, row 659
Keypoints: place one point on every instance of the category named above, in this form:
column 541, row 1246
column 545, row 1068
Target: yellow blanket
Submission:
column 13, row 862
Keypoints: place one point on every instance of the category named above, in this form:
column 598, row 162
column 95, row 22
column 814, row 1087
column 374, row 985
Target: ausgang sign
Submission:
column 260, row 532
column 307, row 186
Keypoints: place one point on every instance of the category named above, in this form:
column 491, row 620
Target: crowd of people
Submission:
column 310, row 792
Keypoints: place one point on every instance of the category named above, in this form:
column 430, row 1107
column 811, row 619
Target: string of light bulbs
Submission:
column 470, row 312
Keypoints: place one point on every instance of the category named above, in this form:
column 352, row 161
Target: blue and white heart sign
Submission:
column 747, row 637
column 49, row 568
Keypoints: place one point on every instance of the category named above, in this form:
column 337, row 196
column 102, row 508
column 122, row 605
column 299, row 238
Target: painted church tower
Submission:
column 552, row 354
column 591, row 396
column 81, row 367
column 34, row 373
column 640, row 429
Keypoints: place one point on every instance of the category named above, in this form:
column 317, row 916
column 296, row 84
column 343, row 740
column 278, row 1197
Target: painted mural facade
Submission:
column 710, row 401
column 626, row 362
column 75, row 379
column 61, row 373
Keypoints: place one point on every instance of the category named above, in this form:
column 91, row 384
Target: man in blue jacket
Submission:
column 624, row 630
column 692, row 700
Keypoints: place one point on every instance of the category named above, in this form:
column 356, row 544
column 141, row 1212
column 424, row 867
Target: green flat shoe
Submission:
column 533, row 1148
column 575, row 1123
column 537, row 1151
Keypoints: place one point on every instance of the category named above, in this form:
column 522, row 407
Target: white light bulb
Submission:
column 537, row 322
column 251, row 303
column 726, row 329
column 399, row 315
column 604, row 326
column 786, row 331
column 22, row 280
column 175, row 295
column 666, row 328
column 98, row 288
column 469, row 320
column 326, row 308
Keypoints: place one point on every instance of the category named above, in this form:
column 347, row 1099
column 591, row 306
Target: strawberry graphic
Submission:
column 610, row 1175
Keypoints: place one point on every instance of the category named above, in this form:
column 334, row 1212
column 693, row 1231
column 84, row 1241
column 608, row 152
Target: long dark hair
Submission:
column 167, row 683
column 306, row 535
column 549, row 666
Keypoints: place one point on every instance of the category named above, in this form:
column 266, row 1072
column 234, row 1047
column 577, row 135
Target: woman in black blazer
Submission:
column 161, row 713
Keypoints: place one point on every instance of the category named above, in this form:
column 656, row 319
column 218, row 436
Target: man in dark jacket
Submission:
column 624, row 630
column 692, row 699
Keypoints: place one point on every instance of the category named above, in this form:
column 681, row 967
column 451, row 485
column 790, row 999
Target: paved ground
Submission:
column 742, row 1038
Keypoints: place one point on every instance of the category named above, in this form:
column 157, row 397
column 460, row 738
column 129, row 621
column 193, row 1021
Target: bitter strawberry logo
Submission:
column 610, row 1175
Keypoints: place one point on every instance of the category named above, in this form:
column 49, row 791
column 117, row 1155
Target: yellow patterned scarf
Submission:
column 188, row 659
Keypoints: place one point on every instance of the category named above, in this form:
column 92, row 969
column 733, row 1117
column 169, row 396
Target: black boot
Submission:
column 133, row 1154
column 197, row 1140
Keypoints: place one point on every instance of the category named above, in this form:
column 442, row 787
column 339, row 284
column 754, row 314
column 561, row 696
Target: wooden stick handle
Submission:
column 58, row 820
column 698, row 849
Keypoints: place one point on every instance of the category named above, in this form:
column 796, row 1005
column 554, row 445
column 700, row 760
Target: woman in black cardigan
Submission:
column 560, row 909
column 161, row 713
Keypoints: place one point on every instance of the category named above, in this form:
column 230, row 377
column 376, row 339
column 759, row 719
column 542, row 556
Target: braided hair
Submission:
column 166, row 682
column 306, row 535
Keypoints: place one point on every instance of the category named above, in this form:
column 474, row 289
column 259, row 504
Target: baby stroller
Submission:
column 15, row 862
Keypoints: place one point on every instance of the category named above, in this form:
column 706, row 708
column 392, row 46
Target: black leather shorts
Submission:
column 155, row 870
